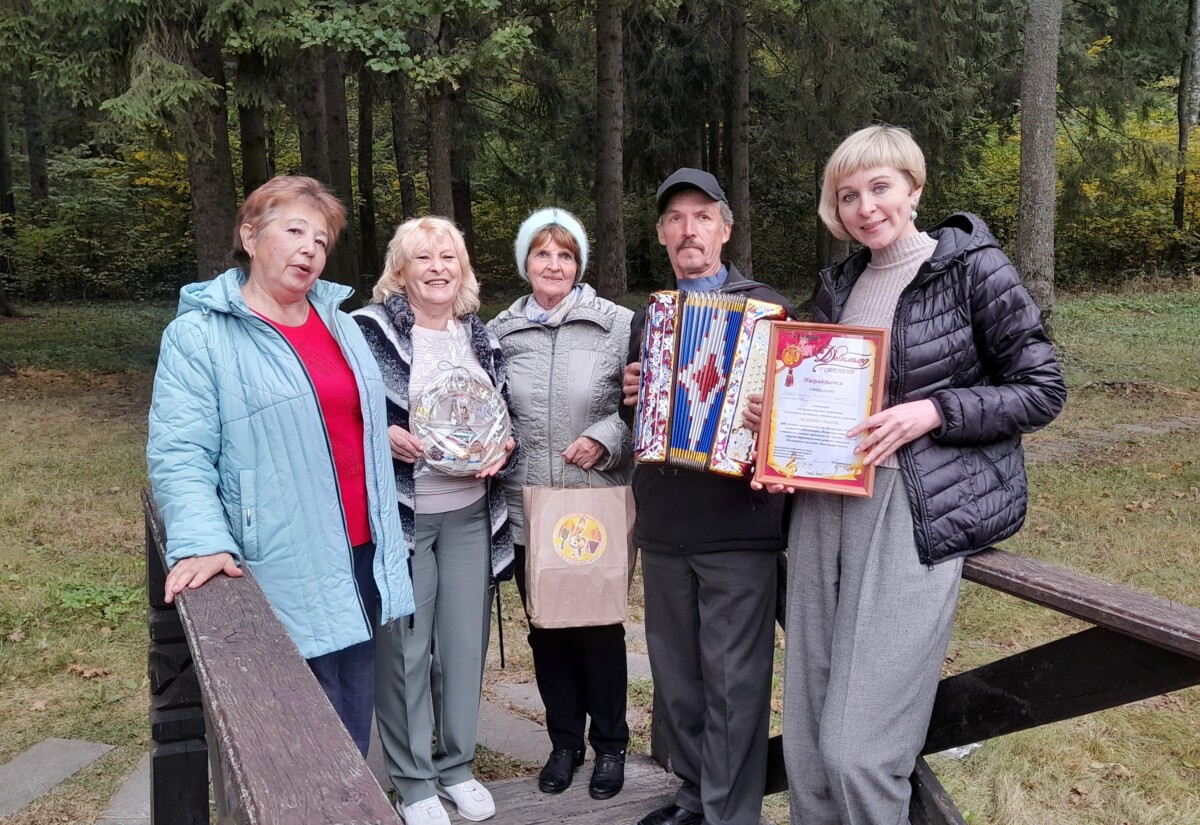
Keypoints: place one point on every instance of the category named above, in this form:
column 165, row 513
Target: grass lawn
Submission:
column 1115, row 489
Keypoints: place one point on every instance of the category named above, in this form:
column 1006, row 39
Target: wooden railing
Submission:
column 1140, row 646
column 228, row 687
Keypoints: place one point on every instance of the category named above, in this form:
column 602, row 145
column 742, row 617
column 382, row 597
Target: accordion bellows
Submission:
column 703, row 354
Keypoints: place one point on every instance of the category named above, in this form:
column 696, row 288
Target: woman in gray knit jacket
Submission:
column 565, row 348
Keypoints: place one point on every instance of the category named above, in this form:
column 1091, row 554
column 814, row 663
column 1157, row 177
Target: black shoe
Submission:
column 559, row 770
column 672, row 815
column 608, row 775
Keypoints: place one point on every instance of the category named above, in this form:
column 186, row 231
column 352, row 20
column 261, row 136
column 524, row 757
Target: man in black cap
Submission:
column 709, row 549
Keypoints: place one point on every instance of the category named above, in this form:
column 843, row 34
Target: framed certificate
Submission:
column 822, row 379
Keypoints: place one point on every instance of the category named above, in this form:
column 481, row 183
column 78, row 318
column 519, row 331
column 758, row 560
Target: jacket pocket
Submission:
column 248, row 515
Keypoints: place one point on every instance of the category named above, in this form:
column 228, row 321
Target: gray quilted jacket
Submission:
column 565, row 382
column 968, row 337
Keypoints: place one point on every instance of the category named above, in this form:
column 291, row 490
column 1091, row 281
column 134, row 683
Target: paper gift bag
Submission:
column 578, row 555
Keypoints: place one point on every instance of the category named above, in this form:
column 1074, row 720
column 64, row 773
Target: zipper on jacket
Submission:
column 550, row 406
column 329, row 451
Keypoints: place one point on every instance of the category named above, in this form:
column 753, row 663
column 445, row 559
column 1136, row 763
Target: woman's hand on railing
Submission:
column 192, row 572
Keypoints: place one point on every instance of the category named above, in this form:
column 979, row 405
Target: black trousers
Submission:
column 581, row 672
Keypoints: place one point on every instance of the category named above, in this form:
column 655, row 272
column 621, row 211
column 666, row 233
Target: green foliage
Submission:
column 111, row 601
column 115, row 227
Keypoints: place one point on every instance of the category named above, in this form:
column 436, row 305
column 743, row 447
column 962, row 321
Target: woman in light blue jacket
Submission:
column 268, row 444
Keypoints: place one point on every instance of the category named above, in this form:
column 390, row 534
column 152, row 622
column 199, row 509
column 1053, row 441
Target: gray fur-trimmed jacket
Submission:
column 566, row 382
column 968, row 337
column 388, row 330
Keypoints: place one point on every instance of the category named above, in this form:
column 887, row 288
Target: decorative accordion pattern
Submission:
column 703, row 353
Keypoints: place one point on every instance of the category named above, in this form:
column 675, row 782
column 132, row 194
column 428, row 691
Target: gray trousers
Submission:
column 867, row 630
column 710, row 632
column 428, row 675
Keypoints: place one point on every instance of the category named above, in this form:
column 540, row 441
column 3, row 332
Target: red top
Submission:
column 337, row 396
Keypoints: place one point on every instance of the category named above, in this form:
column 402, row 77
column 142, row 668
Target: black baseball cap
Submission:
column 688, row 178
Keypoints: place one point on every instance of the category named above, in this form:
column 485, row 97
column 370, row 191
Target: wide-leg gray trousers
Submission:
column 428, row 674
column 867, row 630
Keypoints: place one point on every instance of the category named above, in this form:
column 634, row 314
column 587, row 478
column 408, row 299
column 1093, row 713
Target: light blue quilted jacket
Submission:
column 240, row 462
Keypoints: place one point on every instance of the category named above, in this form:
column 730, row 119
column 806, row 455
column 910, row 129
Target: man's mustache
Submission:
column 689, row 245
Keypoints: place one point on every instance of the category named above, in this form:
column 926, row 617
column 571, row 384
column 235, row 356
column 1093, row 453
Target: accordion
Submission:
column 703, row 354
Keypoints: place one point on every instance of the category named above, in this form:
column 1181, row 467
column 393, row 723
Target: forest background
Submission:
column 131, row 129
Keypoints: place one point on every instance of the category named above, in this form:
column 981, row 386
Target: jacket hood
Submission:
column 224, row 294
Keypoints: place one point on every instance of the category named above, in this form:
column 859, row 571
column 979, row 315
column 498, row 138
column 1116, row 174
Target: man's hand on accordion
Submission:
column 631, row 383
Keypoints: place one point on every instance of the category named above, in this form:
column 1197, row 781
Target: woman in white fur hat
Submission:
column 566, row 347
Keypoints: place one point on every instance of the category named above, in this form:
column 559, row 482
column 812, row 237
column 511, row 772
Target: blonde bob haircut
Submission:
column 865, row 149
column 415, row 236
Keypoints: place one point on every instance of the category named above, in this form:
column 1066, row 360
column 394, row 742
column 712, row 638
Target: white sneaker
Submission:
column 473, row 801
column 424, row 812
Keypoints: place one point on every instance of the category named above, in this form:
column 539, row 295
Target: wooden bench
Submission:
column 224, row 673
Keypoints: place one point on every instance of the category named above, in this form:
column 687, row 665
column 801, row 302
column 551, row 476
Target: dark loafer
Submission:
column 608, row 775
column 560, row 768
column 672, row 815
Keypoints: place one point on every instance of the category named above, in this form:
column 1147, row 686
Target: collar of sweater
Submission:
column 903, row 252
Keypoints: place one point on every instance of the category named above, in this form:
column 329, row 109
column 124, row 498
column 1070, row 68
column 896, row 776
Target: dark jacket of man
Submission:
column 684, row 511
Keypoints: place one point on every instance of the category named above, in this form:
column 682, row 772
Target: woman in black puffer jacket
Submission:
column 873, row 582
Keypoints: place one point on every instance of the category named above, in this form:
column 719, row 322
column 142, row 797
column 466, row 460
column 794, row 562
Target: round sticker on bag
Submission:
column 579, row 539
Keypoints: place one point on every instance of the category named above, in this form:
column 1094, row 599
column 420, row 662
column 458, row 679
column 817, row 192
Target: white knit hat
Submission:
column 538, row 221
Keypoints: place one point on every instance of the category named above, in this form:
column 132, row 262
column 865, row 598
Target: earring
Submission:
column 913, row 215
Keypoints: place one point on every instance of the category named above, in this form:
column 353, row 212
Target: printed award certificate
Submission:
column 822, row 379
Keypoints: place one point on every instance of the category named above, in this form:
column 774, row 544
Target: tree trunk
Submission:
column 35, row 142
column 307, row 102
column 1186, row 112
column 460, row 192
column 400, row 146
column 8, row 208
column 1035, row 228
column 369, row 253
column 210, row 169
column 440, row 120
column 8, row 205
column 739, row 182
column 344, row 260
column 713, row 161
column 610, row 118
column 252, row 127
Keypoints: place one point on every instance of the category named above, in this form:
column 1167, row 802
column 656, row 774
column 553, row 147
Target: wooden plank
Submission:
column 647, row 787
column 179, row 783
column 284, row 753
column 930, row 804
column 1131, row 612
column 1090, row 671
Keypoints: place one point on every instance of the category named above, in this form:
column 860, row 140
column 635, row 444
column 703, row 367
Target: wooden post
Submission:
column 179, row 753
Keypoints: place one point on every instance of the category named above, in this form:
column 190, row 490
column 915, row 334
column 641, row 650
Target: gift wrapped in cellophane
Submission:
column 462, row 422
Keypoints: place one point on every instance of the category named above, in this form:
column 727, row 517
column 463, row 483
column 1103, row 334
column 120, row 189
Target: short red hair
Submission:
column 267, row 201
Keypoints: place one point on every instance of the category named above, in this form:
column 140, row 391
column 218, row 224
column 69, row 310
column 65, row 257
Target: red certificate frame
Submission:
column 822, row 379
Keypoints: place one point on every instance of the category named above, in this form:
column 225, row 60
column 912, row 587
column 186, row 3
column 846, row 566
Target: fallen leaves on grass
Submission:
column 39, row 706
column 87, row 671
column 17, row 635
column 1112, row 770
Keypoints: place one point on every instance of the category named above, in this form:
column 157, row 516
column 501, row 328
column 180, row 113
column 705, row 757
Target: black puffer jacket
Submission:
column 683, row 511
column 967, row 336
